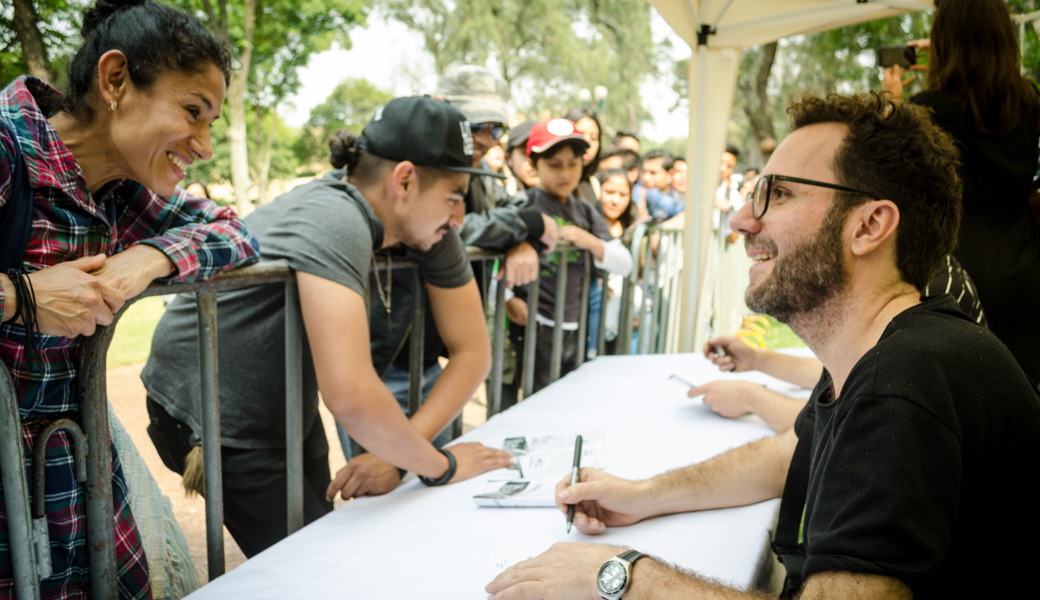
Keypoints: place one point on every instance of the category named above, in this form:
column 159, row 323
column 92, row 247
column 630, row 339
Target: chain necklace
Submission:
column 384, row 297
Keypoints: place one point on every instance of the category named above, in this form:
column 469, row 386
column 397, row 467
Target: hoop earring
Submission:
column 112, row 106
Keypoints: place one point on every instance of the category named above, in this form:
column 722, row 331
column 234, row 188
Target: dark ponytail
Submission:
column 342, row 150
column 155, row 38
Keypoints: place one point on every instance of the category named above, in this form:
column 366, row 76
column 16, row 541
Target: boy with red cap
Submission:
column 556, row 148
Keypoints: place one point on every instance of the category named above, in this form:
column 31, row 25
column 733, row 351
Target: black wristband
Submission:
column 448, row 475
column 401, row 472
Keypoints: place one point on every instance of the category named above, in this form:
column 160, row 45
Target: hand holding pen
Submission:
column 574, row 479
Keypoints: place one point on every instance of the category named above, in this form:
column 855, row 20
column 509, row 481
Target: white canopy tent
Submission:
column 719, row 30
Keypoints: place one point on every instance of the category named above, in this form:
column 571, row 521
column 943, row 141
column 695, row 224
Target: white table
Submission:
column 434, row 543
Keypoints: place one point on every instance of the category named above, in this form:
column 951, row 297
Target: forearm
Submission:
column 615, row 258
column 805, row 372
column 372, row 417
column 655, row 580
column 777, row 410
column 501, row 227
column 455, row 386
column 742, row 476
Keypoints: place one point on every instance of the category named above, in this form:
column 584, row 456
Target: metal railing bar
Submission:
column 293, row 408
column 560, row 303
column 16, row 493
column 415, row 351
column 583, row 317
column 94, row 414
column 601, row 337
column 209, row 383
column 498, row 344
column 647, row 285
column 531, row 333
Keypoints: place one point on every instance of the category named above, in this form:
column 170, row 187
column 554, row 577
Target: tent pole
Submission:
column 694, row 215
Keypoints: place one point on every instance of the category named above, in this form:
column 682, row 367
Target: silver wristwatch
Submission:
column 615, row 575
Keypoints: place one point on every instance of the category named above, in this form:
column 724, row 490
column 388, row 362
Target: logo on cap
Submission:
column 379, row 113
column 467, row 138
column 559, row 127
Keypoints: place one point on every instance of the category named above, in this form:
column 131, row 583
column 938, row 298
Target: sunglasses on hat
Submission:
column 497, row 130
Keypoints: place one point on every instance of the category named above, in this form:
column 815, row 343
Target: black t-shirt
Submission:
column 573, row 212
column 920, row 470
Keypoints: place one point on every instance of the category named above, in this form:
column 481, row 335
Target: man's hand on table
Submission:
column 364, row 475
column 564, row 572
column 729, row 398
column 603, row 500
column 474, row 458
column 739, row 356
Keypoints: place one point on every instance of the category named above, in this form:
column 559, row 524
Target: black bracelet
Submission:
column 443, row 479
column 26, row 298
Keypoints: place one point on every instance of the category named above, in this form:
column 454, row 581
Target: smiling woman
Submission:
column 90, row 215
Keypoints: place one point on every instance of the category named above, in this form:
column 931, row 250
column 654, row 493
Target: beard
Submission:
column 804, row 278
column 424, row 244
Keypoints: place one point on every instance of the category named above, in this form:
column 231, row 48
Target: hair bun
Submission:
column 102, row 10
column 342, row 152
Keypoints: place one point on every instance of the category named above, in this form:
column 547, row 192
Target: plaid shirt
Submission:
column 201, row 239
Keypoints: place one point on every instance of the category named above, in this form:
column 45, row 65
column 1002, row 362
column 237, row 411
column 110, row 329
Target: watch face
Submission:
column 612, row 578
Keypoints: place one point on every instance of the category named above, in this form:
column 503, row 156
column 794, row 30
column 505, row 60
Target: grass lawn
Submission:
column 780, row 336
column 133, row 339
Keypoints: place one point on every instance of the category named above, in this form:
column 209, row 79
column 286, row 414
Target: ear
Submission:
column 113, row 78
column 873, row 223
column 404, row 180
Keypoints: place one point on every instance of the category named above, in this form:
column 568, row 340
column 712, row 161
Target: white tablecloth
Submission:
column 434, row 543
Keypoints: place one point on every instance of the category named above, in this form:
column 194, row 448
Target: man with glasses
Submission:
column 921, row 419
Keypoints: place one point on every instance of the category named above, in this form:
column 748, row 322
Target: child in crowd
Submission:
column 556, row 150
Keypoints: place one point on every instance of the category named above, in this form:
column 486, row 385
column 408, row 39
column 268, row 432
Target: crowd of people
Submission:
column 878, row 231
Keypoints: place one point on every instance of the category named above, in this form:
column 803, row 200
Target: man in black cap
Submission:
column 402, row 192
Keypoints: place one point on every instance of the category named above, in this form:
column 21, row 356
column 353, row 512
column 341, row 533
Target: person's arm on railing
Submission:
column 609, row 255
column 200, row 239
column 336, row 322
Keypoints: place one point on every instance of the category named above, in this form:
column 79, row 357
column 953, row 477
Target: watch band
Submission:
column 631, row 556
column 443, row 479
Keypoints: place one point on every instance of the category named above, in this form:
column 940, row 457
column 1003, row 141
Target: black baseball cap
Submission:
column 518, row 135
column 423, row 131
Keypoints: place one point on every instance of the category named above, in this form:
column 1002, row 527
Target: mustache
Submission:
column 753, row 242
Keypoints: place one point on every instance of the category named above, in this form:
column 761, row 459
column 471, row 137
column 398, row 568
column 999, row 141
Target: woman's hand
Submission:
column 924, row 45
column 134, row 269
column 892, row 81
column 69, row 300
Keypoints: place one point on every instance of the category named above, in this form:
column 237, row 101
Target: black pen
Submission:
column 574, row 479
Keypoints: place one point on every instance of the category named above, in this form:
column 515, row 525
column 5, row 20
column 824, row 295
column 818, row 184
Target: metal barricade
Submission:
column 657, row 274
column 94, row 411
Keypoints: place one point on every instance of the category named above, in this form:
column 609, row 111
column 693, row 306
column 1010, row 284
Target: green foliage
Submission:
column 132, row 341
column 59, row 22
column 218, row 169
column 349, row 106
column 546, row 50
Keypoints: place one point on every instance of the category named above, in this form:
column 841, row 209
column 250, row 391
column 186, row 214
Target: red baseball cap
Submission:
column 546, row 134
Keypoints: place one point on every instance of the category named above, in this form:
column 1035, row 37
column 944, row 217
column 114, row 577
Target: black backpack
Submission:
column 16, row 214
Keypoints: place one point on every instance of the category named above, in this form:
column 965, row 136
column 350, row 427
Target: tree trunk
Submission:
column 756, row 107
column 28, row 35
column 264, row 166
column 237, row 139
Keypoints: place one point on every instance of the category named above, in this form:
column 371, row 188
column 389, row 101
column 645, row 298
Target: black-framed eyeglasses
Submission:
column 764, row 191
column 497, row 130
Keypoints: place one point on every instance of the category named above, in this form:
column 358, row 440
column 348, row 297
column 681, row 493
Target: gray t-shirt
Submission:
column 325, row 228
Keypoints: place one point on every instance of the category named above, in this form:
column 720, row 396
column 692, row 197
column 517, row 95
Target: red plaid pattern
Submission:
column 201, row 239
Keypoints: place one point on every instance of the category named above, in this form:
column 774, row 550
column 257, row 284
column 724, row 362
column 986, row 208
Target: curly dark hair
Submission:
column 155, row 38
column 896, row 152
